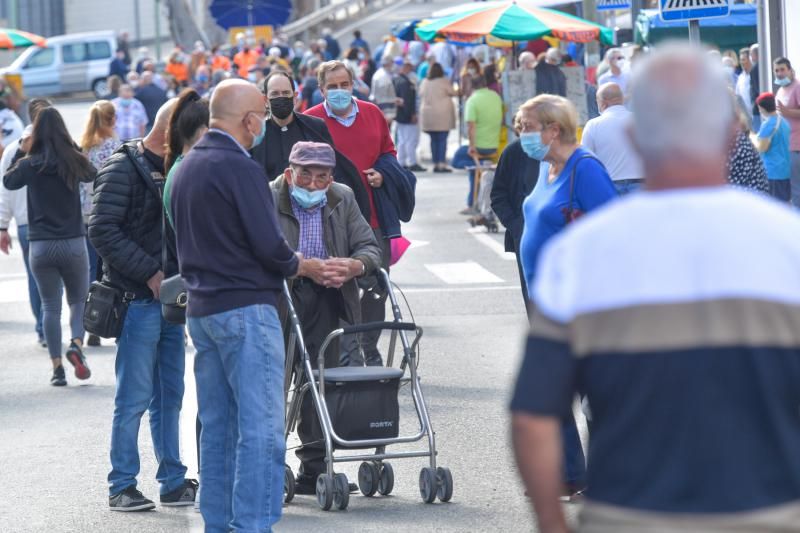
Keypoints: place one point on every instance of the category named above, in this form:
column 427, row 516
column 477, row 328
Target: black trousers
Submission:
column 318, row 309
column 360, row 350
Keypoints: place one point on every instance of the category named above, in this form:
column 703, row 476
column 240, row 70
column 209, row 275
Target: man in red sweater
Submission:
column 360, row 133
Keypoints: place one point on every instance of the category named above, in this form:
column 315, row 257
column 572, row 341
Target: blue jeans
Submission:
column 33, row 290
column 239, row 373
column 439, row 146
column 149, row 369
column 627, row 186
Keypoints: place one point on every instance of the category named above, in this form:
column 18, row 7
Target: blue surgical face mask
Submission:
column 258, row 139
column 339, row 99
column 308, row 199
column 533, row 146
column 202, row 78
column 782, row 82
column 125, row 102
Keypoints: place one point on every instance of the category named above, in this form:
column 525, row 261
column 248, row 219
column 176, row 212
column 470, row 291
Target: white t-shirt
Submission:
column 11, row 126
column 606, row 136
column 743, row 89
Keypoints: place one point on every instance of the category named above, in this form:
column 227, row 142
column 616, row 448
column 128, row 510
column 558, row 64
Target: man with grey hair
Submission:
column 690, row 368
column 383, row 92
column 615, row 73
column 607, row 136
column 126, row 230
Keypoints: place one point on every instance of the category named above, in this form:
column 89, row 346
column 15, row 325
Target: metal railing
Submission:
column 346, row 9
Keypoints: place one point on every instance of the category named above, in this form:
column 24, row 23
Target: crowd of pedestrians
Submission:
column 307, row 154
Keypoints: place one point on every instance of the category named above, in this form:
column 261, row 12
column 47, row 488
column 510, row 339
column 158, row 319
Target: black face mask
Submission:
column 281, row 107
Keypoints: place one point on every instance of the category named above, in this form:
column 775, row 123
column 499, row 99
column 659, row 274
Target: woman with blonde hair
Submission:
column 98, row 142
column 571, row 182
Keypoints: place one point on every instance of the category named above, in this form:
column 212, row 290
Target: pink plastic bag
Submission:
column 399, row 246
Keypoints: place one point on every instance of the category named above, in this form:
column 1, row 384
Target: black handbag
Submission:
column 172, row 294
column 105, row 310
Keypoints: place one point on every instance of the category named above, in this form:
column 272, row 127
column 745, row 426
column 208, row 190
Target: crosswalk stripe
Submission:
column 464, row 273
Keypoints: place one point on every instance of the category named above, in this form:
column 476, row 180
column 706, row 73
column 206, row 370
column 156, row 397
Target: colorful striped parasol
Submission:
column 514, row 21
column 19, row 39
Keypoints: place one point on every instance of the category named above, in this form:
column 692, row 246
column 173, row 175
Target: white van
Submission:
column 68, row 63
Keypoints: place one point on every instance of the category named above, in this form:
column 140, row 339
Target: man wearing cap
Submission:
column 322, row 221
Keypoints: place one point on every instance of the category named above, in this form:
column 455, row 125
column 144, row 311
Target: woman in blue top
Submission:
column 772, row 141
column 571, row 182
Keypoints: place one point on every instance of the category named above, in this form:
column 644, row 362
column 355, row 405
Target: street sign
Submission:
column 603, row 5
column 671, row 10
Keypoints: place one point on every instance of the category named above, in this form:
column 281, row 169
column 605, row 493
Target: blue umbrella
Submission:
column 235, row 13
column 405, row 31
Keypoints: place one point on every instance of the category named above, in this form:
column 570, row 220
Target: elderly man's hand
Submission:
column 5, row 242
column 340, row 270
column 374, row 178
column 313, row 269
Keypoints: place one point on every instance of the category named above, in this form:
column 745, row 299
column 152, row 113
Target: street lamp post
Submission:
column 158, row 29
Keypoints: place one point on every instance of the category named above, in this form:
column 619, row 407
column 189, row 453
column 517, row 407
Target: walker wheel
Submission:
column 386, row 483
column 444, row 480
column 288, row 485
column 368, row 478
column 325, row 491
column 427, row 484
column 341, row 494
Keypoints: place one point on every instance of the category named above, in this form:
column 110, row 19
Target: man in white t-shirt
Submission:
column 676, row 312
column 615, row 73
column 607, row 136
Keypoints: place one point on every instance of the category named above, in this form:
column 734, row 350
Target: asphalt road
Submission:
column 463, row 290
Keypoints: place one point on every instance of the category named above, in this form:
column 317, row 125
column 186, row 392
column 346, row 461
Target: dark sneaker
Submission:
column 129, row 500
column 182, row 496
column 42, row 342
column 76, row 358
column 417, row 168
column 59, row 378
column 93, row 340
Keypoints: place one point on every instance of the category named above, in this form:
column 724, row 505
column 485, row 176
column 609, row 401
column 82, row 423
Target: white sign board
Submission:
column 519, row 86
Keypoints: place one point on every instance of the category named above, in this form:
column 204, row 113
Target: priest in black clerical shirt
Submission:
column 285, row 128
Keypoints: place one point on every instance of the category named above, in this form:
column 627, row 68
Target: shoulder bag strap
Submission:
column 570, row 208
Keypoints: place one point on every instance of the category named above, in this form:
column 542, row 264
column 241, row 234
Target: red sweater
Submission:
column 363, row 142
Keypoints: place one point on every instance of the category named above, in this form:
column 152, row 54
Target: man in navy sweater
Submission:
column 234, row 258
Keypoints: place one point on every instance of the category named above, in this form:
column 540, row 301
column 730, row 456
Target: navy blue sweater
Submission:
column 231, row 251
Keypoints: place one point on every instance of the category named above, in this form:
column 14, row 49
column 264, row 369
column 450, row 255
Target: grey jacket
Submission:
column 346, row 234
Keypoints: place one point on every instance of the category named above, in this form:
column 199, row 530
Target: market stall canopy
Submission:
column 405, row 30
column 513, row 21
column 19, row 39
column 236, row 13
column 471, row 6
column 737, row 30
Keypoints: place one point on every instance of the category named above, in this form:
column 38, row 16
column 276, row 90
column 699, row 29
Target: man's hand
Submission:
column 472, row 151
column 374, row 178
column 340, row 270
column 5, row 242
column 154, row 284
column 313, row 269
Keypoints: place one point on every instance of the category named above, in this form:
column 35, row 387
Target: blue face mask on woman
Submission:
column 339, row 99
column 308, row 199
column 533, row 146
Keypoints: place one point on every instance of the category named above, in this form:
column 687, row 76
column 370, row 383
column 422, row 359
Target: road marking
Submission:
column 467, row 272
column 14, row 290
column 492, row 244
column 419, row 290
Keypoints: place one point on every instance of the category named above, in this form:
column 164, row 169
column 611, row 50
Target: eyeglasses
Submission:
column 305, row 177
